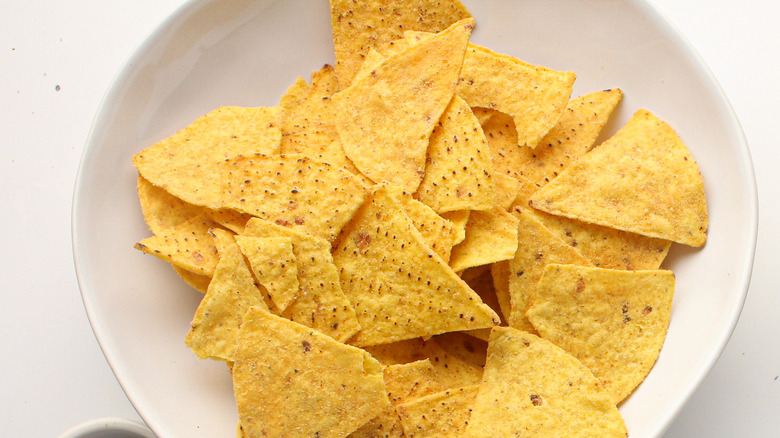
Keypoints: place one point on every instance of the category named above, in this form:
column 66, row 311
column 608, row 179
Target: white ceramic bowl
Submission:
column 243, row 52
column 109, row 427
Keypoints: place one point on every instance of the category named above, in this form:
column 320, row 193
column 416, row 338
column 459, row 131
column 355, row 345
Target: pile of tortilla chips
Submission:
column 425, row 240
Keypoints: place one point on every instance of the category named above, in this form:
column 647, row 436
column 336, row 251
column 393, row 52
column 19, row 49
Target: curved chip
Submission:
column 614, row 321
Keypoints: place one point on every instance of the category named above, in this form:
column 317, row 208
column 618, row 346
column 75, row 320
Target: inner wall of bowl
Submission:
column 248, row 52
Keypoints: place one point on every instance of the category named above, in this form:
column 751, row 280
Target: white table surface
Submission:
column 57, row 60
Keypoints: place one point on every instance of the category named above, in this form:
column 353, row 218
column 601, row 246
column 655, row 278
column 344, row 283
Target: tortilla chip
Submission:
column 459, row 220
column 501, row 135
column 188, row 245
column 163, row 211
column 613, row 321
column 574, row 135
column 292, row 381
column 441, row 415
column 458, row 170
column 400, row 288
column 230, row 219
column 186, row 164
column 404, row 382
column 491, row 236
column 534, row 96
column 533, row 388
column 642, row 180
column 358, row 26
column 231, row 293
column 453, row 367
column 481, row 282
column 292, row 191
column 604, row 247
column 294, row 96
column 507, row 189
column 385, row 119
column 536, row 248
column 463, row 346
column 500, row 273
column 196, row 281
column 320, row 304
column 274, row 266
column 308, row 128
column 438, row 233
column 399, row 352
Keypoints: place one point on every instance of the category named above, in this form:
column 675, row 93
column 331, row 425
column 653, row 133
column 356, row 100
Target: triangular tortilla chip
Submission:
column 186, row 164
column 275, row 267
column 308, row 128
column 533, row 388
column 439, row 415
column 163, row 211
column 196, row 281
column 320, row 304
column 292, row 381
column 613, row 321
column 605, row 247
column 189, row 245
column 358, row 26
column 507, row 189
column 459, row 221
column 458, row 170
column 491, row 236
column 642, row 180
column 438, row 233
column 536, row 248
column 405, row 382
column 400, row 288
column 231, row 293
column 294, row 96
column 292, row 191
column 534, row 96
column 574, row 135
column 385, row 119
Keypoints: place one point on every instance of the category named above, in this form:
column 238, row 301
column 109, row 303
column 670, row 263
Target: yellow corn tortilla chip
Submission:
column 458, row 170
column 404, row 382
column 292, row 381
column 459, row 219
column 438, row 233
column 453, row 366
column 399, row 352
column 463, row 346
column 231, row 219
column 480, row 280
column 533, row 388
column 189, row 246
column 500, row 273
column 400, row 288
column 292, row 191
column 642, row 180
column 605, row 247
column 501, row 135
column 231, row 293
column 163, row 211
column 536, row 248
column 385, row 119
column 308, row 128
column 491, row 236
column 613, row 321
column 294, row 96
column 441, row 415
column 412, row 380
column 574, row 135
column 507, row 189
column 358, row 26
column 320, row 304
column 196, row 281
column 534, row 96
column 274, row 265
column 186, row 164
